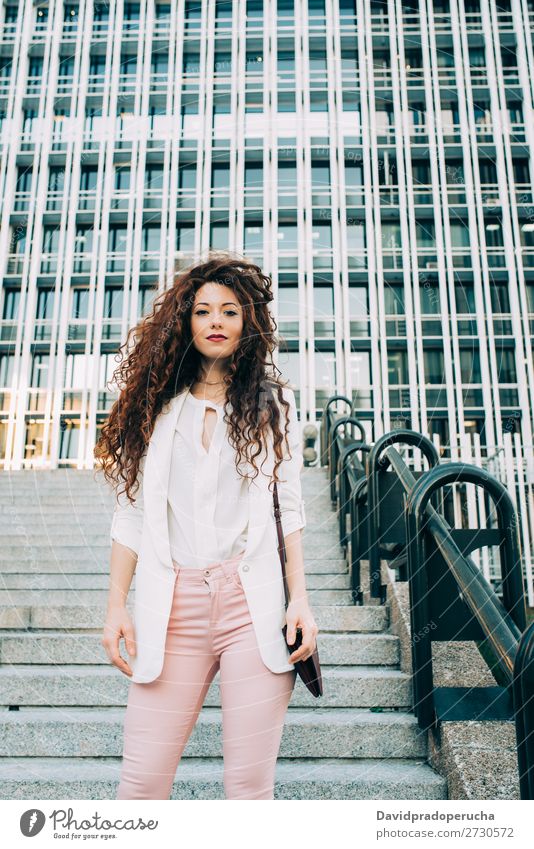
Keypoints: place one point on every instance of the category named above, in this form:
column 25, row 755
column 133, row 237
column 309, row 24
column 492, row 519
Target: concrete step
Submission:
column 98, row 732
column 99, row 499
column 93, row 525
column 95, row 518
column 78, row 536
column 101, row 548
column 317, row 499
column 78, row 499
column 91, row 686
column 57, row 564
column 54, row 523
column 311, row 477
column 79, row 511
column 313, row 480
column 53, row 647
column 80, row 493
column 36, row 598
column 59, row 616
column 202, row 778
column 84, row 581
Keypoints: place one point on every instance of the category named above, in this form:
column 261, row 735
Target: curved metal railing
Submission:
column 397, row 514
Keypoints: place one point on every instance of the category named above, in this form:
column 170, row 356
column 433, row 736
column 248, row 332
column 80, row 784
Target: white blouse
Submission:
column 207, row 504
column 205, row 494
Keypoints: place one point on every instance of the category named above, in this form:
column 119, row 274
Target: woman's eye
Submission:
column 228, row 312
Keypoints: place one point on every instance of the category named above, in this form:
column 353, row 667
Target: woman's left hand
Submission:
column 299, row 615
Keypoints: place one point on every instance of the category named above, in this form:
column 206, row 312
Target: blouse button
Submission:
column 245, row 567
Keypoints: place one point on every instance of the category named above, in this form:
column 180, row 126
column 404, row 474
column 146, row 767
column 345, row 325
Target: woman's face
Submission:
column 216, row 312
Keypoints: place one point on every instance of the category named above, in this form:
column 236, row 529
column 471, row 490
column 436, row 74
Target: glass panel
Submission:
column 393, row 300
column 429, row 299
column 287, row 236
column 465, row 298
column 397, row 367
column 470, row 365
column 434, row 366
column 506, row 369
column 187, row 176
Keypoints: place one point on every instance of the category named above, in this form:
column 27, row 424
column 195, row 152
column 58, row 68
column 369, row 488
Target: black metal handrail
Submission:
column 442, row 576
column 501, row 623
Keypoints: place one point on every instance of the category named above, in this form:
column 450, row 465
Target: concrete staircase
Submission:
column 63, row 703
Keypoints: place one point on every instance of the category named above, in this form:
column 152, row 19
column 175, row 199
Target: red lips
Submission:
column 216, row 337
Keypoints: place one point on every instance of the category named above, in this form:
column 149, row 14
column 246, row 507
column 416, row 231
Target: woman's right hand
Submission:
column 118, row 624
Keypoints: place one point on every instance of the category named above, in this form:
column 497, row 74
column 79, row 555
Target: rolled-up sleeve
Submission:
column 127, row 521
column 292, row 511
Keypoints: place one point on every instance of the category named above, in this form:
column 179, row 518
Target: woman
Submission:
column 196, row 413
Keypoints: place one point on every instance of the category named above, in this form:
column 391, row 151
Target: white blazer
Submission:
column 143, row 527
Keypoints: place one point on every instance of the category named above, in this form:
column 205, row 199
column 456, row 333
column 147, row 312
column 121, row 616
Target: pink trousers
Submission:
column 209, row 629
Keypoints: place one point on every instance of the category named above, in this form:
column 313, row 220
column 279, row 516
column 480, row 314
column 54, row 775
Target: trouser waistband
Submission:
column 218, row 567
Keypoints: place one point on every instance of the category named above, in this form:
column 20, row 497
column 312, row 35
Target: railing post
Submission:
column 422, row 675
column 324, row 430
column 344, row 485
column 523, row 699
column 333, row 449
column 356, row 527
column 377, row 462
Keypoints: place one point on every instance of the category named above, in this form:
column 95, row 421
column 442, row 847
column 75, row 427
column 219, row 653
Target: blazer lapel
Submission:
column 156, row 477
column 259, row 498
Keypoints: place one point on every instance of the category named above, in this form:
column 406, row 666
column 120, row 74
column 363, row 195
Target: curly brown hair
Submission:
column 163, row 361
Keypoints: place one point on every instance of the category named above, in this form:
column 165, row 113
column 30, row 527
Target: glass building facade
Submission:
column 375, row 158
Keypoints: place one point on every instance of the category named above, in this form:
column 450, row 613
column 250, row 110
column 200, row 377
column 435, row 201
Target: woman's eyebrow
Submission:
column 205, row 304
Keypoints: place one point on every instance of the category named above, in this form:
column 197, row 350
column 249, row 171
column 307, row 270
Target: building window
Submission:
column 506, row 368
column 465, row 298
column 434, row 366
column 185, row 238
column 470, row 365
column 394, row 299
column 398, row 367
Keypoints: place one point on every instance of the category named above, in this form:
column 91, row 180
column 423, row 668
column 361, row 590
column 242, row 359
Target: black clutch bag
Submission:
column 310, row 669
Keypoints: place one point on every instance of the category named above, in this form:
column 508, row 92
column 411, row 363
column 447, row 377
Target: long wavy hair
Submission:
column 159, row 360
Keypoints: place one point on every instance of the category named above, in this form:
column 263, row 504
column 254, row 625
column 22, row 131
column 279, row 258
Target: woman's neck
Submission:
column 211, row 390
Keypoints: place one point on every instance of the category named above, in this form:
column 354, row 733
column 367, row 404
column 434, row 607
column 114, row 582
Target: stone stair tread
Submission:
column 84, row 647
column 331, row 618
column 38, row 596
column 98, row 732
column 77, row 581
column 94, row 632
column 83, row 670
column 19, row 554
column 103, row 684
column 98, row 566
column 210, row 713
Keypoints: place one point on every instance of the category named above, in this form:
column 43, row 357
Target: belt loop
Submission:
column 226, row 567
column 229, row 566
